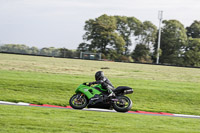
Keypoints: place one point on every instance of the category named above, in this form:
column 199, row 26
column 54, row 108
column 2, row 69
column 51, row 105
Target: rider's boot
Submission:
column 111, row 94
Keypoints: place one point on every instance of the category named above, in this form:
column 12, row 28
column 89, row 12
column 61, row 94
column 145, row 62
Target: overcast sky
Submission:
column 59, row 23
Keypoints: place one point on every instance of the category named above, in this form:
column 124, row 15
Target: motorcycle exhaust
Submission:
column 128, row 91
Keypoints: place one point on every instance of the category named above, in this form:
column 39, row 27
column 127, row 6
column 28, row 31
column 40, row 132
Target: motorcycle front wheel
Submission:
column 123, row 104
column 78, row 101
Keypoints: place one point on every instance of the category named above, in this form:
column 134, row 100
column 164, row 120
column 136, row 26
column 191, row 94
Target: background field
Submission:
column 43, row 80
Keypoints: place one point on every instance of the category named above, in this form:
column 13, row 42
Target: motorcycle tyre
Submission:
column 78, row 107
column 123, row 109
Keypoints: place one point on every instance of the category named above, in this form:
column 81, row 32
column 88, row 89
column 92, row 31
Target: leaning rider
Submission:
column 105, row 83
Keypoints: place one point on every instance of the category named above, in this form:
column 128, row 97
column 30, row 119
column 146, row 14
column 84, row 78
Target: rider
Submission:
column 106, row 84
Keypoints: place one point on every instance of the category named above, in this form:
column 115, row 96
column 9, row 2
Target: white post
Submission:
column 81, row 55
column 99, row 56
column 160, row 13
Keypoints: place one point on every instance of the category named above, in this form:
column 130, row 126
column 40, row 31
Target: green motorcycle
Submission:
column 97, row 97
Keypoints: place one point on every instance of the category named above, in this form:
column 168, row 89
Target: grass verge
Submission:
column 19, row 119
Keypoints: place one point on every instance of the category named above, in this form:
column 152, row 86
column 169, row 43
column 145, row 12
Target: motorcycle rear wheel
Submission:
column 123, row 104
column 78, row 102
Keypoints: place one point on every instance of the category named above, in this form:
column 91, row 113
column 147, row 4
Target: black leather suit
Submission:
column 106, row 84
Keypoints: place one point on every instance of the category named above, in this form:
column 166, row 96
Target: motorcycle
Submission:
column 97, row 97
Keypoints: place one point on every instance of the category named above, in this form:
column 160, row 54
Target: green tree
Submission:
column 54, row 51
column 192, row 53
column 194, row 30
column 127, row 27
column 83, row 47
column 147, row 34
column 101, row 34
column 6, row 48
column 16, row 48
column 34, row 50
column 142, row 54
column 173, row 42
column 45, row 51
column 66, row 53
column 145, row 41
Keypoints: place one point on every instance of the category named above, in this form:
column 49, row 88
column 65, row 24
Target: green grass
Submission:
column 43, row 80
column 43, row 88
column 88, row 68
column 19, row 119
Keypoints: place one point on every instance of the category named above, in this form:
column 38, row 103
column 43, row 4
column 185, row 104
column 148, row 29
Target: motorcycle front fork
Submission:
column 79, row 96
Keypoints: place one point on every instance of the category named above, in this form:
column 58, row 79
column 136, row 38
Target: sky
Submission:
column 60, row 23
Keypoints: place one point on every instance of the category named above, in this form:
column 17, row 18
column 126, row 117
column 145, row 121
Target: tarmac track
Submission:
column 101, row 110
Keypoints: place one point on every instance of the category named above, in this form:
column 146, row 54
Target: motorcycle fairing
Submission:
column 87, row 90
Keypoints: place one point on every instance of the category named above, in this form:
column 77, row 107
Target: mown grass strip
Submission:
column 40, row 120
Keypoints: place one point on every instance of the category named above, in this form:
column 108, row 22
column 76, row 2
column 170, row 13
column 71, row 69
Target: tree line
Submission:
column 47, row 51
column 113, row 36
